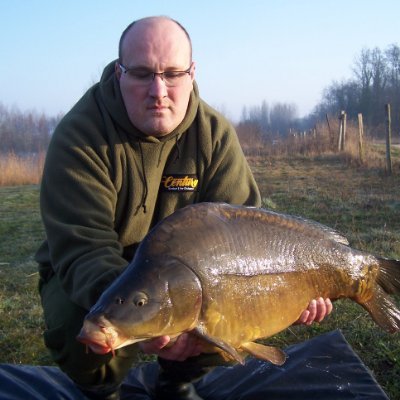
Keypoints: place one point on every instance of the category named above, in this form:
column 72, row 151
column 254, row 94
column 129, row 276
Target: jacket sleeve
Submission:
column 228, row 177
column 78, row 201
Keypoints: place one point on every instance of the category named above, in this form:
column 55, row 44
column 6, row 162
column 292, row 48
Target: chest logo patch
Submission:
column 179, row 183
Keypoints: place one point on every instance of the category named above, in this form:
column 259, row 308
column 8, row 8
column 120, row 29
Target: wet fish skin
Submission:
column 235, row 274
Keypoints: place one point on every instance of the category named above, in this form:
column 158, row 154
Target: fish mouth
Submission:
column 102, row 338
column 96, row 347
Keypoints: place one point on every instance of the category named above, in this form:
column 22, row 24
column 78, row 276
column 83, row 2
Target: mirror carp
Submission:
column 235, row 274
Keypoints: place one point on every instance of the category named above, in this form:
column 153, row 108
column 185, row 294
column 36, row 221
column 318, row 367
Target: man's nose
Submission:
column 158, row 88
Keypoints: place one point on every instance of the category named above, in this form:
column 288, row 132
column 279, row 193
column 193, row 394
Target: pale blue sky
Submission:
column 246, row 51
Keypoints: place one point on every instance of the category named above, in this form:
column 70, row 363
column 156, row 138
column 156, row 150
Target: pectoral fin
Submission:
column 267, row 353
column 200, row 331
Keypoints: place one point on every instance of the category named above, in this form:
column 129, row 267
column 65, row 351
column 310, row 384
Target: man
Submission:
column 139, row 145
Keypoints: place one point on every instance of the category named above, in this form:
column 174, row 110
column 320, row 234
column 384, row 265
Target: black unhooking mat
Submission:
column 324, row 367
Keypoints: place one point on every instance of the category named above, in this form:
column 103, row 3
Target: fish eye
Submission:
column 140, row 299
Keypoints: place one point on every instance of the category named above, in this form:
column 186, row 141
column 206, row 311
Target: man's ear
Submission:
column 192, row 72
column 117, row 70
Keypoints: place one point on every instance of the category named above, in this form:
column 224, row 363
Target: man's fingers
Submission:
column 303, row 317
column 329, row 306
column 321, row 310
column 312, row 308
column 324, row 308
column 153, row 346
column 179, row 351
column 185, row 346
column 317, row 310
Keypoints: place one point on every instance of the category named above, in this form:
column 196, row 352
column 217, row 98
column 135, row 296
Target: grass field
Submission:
column 363, row 204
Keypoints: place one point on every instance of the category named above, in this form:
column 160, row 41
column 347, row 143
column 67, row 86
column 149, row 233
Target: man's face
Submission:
column 157, row 45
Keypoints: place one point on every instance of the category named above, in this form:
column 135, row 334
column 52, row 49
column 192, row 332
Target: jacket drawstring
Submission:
column 146, row 188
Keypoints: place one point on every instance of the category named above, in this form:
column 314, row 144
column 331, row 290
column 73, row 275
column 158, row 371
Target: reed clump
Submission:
column 16, row 170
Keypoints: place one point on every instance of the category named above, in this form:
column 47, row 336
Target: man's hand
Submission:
column 185, row 346
column 316, row 312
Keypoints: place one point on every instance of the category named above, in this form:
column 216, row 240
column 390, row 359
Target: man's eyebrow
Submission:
column 139, row 67
column 147, row 68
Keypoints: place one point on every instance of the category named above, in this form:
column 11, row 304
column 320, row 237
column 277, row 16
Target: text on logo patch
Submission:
column 179, row 183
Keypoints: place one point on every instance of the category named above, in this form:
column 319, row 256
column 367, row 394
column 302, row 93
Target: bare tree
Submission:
column 282, row 117
column 25, row 132
column 393, row 65
column 376, row 82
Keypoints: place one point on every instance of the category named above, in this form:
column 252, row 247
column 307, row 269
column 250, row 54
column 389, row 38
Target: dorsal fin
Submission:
column 315, row 229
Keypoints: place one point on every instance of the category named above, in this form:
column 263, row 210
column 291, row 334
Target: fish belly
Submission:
column 241, row 309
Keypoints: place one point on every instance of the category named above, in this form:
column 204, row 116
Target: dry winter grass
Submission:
column 20, row 170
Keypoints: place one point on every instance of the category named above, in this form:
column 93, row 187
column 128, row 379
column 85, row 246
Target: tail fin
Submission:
column 381, row 307
column 383, row 311
column 389, row 275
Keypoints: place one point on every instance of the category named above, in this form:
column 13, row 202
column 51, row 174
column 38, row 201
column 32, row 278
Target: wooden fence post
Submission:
column 360, row 138
column 342, row 131
column 388, row 140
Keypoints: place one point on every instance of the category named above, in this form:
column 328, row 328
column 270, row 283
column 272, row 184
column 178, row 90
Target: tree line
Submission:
column 375, row 81
column 25, row 132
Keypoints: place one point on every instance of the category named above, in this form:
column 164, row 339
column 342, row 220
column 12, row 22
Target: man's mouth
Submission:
column 158, row 108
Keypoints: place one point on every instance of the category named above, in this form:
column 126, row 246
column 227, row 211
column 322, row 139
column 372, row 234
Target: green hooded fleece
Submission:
column 106, row 184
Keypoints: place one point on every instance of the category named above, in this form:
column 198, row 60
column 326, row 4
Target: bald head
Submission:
column 149, row 23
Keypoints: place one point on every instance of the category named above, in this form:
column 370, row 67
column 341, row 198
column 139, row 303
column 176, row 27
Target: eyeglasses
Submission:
column 142, row 76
